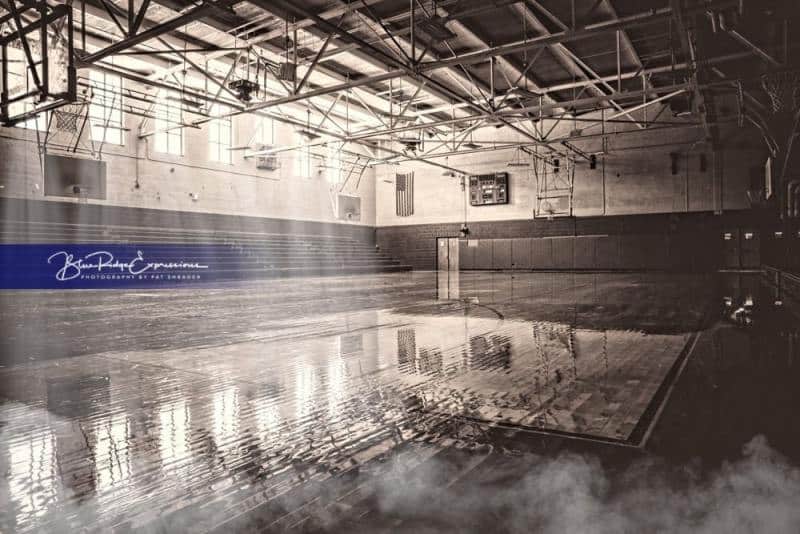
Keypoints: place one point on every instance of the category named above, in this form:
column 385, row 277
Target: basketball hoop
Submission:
column 67, row 117
column 783, row 89
column 81, row 192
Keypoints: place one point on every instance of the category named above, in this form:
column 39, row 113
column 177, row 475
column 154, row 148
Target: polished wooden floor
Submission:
column 193, row 409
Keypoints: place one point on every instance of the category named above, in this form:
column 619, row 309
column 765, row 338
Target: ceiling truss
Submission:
column 371, row 79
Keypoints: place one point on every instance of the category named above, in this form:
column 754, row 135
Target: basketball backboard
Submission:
column 38, row 70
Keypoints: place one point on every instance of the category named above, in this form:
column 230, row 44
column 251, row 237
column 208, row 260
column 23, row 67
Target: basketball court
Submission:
column 399, row 266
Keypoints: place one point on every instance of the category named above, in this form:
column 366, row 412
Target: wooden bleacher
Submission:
column 245, row 255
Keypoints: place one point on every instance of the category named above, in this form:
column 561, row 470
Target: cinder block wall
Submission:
column 13, row 209
column 635, row 177
column 634, row 189
column 140, row 178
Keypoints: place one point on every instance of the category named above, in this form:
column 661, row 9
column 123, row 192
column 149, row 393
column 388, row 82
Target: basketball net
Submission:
column 783, row 89
column 67, row 118
column 70, row 129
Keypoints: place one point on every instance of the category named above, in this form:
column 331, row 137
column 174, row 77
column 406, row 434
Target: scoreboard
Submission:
column 488, row 189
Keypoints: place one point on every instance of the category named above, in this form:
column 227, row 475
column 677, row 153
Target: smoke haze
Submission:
column 482, row 491
column 574, row 493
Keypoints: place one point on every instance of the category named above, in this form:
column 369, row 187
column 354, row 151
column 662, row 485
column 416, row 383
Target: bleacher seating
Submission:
column 239, row 255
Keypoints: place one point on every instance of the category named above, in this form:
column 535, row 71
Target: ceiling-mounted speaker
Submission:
column 556, row 165
column 593, row 162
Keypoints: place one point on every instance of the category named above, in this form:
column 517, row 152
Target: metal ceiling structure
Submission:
column 384, row 76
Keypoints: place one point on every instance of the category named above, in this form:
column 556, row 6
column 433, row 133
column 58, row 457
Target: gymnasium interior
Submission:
column 399, row 266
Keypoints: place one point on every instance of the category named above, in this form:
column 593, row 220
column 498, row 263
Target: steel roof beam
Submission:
column 172, row 45
column 191, row 15
column 408, row 70
column 568, row 59
column 587, row 32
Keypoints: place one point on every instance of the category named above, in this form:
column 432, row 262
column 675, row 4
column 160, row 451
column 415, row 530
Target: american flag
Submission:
column 404, row 194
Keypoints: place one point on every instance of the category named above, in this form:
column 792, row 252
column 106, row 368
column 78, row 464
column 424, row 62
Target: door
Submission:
column 447, row 254
column 447, row 267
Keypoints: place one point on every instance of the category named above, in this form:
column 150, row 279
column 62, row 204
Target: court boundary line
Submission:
column 668, row 393
column 550, row 432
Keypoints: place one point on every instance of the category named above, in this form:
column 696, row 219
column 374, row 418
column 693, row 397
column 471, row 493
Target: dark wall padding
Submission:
column 76, row 213
column 606, row 253
column 563, row 252
column 584, row 249
column 750, row 248
column 466, row 257
column 501, row 254
column 781, row 248
column 483, row 255
column 686, row 241
column 542, row 254
column 625, row 252
column 521, row 253
column 730, row 248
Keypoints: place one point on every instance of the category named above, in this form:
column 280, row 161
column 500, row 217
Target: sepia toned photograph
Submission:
column 400, row 266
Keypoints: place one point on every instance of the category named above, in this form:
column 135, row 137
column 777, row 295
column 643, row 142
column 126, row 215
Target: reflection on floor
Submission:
column 208, row 408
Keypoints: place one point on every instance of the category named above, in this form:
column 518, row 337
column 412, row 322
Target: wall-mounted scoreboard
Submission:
column 488, row 189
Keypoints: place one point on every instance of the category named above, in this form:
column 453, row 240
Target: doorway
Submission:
column 447, row 268
column 447, row 253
